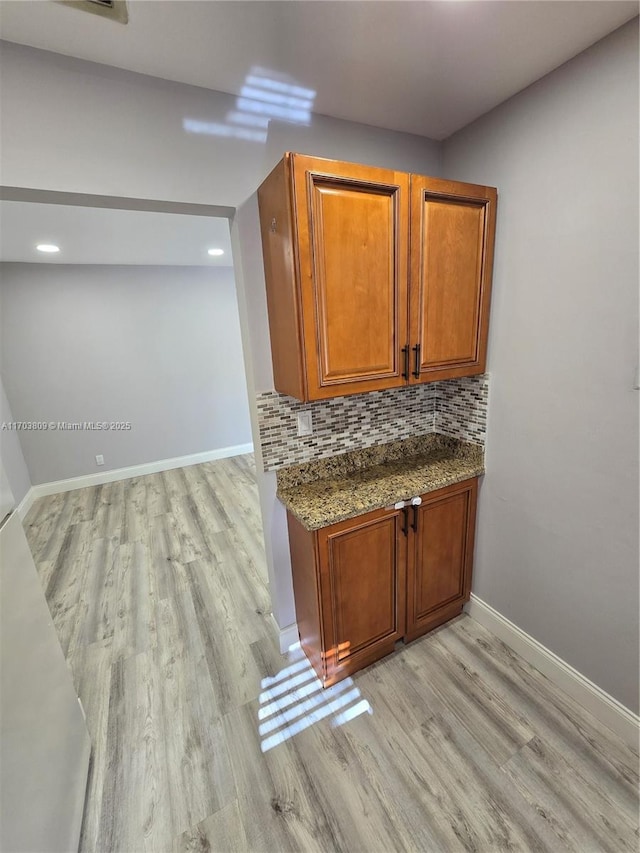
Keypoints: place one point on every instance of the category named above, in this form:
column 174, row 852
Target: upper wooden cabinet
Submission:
column 344, row 273
column 335, row 238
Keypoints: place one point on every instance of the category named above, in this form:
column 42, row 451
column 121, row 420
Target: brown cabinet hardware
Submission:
column 405, row 355
column 416, row 355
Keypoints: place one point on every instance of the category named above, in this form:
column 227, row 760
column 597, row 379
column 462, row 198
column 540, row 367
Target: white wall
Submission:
column 11, row 452
column 557, row 546
column 75, row 126
column 157, row 346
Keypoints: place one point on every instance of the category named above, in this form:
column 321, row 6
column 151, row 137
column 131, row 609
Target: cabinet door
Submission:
column 362, row 580
column 440, row 563
column 352, row 236
column 452, row 237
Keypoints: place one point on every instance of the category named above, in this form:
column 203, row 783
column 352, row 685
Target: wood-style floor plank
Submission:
column 191, row 529
column 135, row 809
column 277, row 797
column 493, row 722
column 135, row 617
column 195, row 744
column 165, row 552
column 205, row 738
column 99, row 591
column 49, row 526
column 591, row 748
column 158, row 502
column 221, row 832
column 577, row 809
column 135, row 522
column 175, row 483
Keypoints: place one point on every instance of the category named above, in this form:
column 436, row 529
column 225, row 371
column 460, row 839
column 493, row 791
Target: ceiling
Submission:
column 89, row 235
column 423, row 67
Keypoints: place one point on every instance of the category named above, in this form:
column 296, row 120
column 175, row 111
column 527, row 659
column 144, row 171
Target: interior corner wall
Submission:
column 157, row 347
column 557, row 543
column 11, row 454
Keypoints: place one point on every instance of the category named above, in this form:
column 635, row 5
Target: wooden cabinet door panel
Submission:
column 440, row 553
column 363, row 588
column 352, row 227
column 451, row 268
column 355, row 289
column 452, row 232
column 439, row 574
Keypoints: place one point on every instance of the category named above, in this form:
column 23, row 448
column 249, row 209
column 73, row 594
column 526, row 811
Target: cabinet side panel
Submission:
column 471, row 537
column 302, row 545
column 278, row 249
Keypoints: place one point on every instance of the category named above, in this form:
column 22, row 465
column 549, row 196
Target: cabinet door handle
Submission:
column 416, row 370
column 414, row 523
column 405, row 353
column 405, row 521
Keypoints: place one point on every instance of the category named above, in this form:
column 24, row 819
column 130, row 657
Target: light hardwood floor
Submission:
column 206, row 739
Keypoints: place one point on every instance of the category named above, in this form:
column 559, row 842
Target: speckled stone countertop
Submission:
column 330, row 490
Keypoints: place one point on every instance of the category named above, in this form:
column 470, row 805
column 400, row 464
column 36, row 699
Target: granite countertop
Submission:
column 331, row 490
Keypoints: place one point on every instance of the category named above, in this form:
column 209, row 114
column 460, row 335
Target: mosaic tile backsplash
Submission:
column 461, row 408
column 455, row 407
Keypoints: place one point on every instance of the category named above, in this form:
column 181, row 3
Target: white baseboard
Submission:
column 100, row 477
column 604, row 707
column 26, row 503
column 288, row 637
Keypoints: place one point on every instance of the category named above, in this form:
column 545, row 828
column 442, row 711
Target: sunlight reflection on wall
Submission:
column 265, row 95
column 294, row 699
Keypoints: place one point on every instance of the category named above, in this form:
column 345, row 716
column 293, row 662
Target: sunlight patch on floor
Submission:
column 294, row 699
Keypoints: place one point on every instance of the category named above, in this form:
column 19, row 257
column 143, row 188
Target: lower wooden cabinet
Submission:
column 363, row 584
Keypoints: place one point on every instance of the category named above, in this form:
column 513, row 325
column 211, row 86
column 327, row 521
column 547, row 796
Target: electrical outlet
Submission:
column 305, row 423
column 99, row 459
